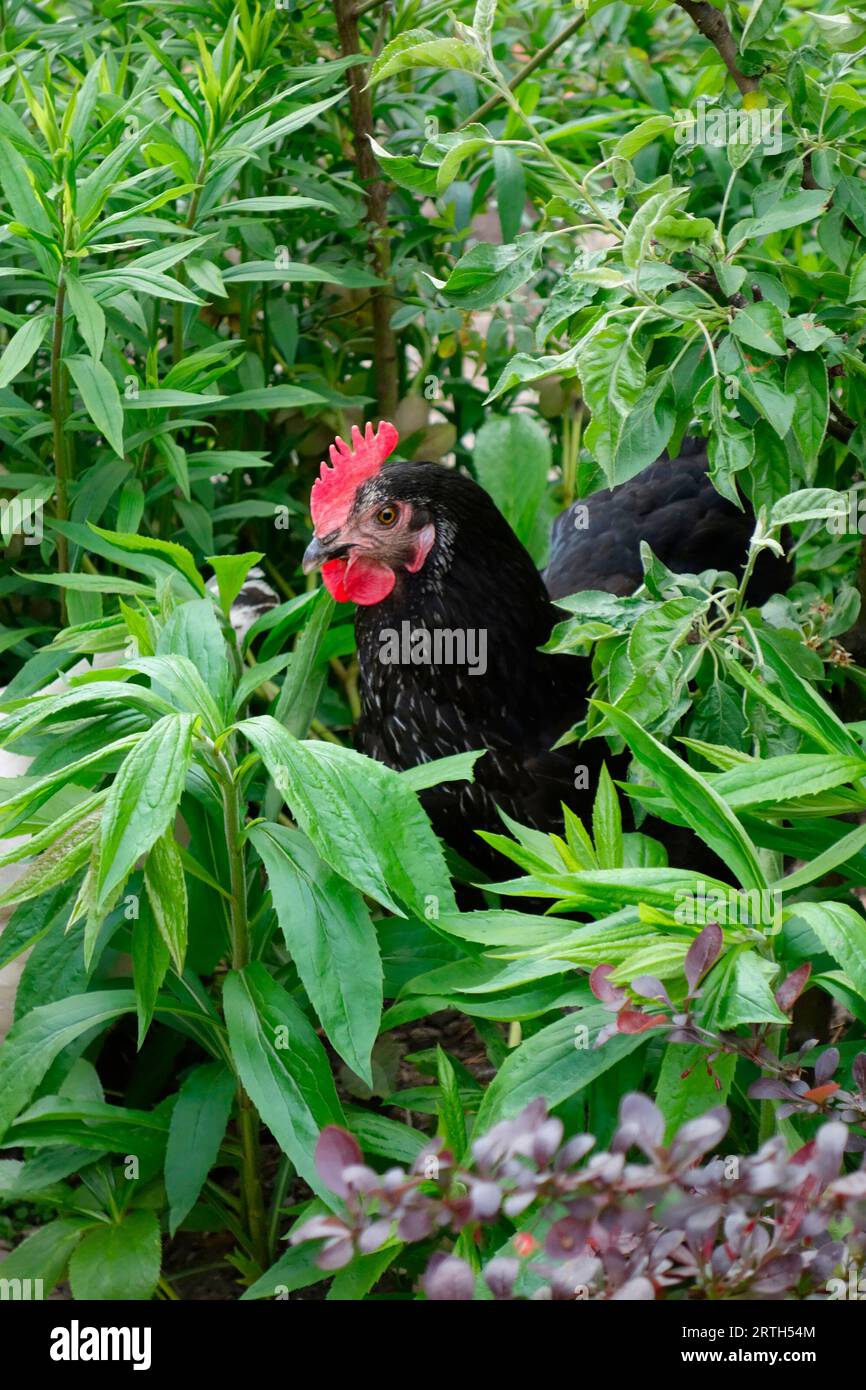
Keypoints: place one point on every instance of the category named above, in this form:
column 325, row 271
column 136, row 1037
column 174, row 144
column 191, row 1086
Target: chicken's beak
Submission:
column 315, row 555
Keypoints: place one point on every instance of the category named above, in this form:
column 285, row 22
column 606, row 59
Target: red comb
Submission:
column 334, row 490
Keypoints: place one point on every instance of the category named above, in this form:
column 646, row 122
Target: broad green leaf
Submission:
column 22, row 346
column 760, row 326
column 88, row 315
column 512, row 457
column 283, row 1066
column 612, row 373
column 167, row 552
column 842, row 932
column 690, row 1084
column 150, row 958
column 558, row 1062
column 143, row 799
column 363, row 820
column 119, row 1262
column 101, row 398
column 457, row 767
column 749, row 996
column 198, row 1124
column 628, row 145
column 332, row 941
column 45, row 1254
column 422, row 48
column 32, row 1044
column 166, row 889
column 231, row 572
column 793, row 211
column 806, row 382
column 193, row 632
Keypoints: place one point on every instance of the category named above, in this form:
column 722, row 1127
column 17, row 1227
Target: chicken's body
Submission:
column 478, row 579
column 475, row 577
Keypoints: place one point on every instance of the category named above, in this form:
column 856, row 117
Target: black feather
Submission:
column 479, row 576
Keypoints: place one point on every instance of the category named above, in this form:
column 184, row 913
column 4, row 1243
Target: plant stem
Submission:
column 58, row 415
column 248, row 1120
column 376, row 194
column 767, row 1124
column 714, row 26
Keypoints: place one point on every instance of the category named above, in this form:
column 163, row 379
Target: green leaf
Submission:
column 119, row 1262
column 512, row 457
column 807, row 504
column 231, row 572
column 457, row 767
column 422, row 48
column 613, row 374
column 302, row 687
column 842, row 933
column 101, row 398
column 88, row 315
column 363, row 820
column 32, row 1044
column 193, row 631
column 607, row 823
column 198, row 1124
column 452, row 1122
column 487, row 273
column 689, row 1084
column 283, row 1067
column 749, row 995
column 166, row 889
column 69, row 853
column 45, row 1254
column 806, row 382
column 825, row 862
column 150, row 957
column 510, row 191
column 21, row 347
column 332, row 941
column 760, row 326
column 857, row 290
column 628, row 145
column 636, row 242
column 557, row 1062
column 143, row 799
column 696, row 801
column 793, row 211
column 167, row 551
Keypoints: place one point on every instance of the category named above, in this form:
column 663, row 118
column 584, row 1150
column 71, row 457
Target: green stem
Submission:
column 248, row 1120
column 58, row 415
column 767, row 1126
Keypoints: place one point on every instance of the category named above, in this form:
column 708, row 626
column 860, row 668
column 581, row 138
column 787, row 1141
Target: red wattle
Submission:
column 358, row 580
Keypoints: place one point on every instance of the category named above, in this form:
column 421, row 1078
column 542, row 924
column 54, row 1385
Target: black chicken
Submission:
column 422, row 549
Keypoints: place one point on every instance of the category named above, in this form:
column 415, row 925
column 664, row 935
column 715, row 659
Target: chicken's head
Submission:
column 364, row 534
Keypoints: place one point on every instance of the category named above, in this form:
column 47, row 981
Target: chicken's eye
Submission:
column 386, row 516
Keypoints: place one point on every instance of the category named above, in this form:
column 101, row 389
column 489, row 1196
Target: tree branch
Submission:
column 714, row 26
column 376, row 194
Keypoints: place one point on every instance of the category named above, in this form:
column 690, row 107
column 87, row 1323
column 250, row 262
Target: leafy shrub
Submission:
column 230, row 234
column 595, row 1225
